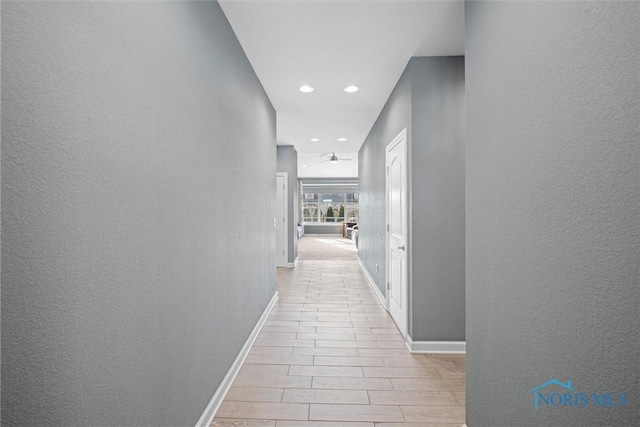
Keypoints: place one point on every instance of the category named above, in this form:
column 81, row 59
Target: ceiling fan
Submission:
column 334, row 159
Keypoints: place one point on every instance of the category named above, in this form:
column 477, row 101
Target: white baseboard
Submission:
column 451, row 347
column 293, row 264
column 373, row 285
column 210, row 412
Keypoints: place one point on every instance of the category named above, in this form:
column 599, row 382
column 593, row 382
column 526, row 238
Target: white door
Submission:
column 397, row 282
column 281, row 220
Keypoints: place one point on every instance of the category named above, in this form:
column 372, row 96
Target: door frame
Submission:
column 402, row 136
column 283, row 260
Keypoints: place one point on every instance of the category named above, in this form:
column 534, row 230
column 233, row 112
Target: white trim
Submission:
column 293, row 264
column 324, row 224
column 210, row 412
column 447, row 347
column 324, row 235
column 373, row 285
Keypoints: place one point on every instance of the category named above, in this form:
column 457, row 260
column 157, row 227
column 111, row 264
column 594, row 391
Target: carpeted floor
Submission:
column 318, row 248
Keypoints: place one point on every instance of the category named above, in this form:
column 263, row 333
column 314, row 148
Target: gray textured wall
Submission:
column 137, row 143
column 395, row 116
column 287, row 161
column 553, row 131
column 429, row 101
column 437, row 261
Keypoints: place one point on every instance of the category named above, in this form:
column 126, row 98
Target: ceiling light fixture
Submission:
column 315, row 139
column 341, row 139
column 304, row 166
column 306, row 89
column 334, row 159
column 351, row 89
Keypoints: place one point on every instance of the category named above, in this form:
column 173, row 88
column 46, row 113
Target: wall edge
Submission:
column 373, row 285
column 214, row 404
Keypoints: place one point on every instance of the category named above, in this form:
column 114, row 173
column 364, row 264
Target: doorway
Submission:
column 281, row 221
column 396, row 242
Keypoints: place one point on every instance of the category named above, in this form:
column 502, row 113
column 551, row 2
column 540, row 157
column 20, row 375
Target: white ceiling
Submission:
column 315, row 165
column 329, row 45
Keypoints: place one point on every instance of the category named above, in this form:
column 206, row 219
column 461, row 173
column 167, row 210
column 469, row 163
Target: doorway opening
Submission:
column 329, row 213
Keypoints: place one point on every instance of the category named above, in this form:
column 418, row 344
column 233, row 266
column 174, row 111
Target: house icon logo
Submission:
column 537, row 394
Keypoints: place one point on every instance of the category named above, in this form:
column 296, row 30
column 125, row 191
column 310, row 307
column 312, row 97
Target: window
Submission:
column 329, row 207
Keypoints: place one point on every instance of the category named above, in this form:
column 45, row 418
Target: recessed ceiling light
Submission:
column 351, row 89
column 304, row 166
column 315, row 139
column 341, row 139
column 306, row 89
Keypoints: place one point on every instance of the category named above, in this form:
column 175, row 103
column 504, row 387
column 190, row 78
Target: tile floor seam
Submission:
column 338, row 296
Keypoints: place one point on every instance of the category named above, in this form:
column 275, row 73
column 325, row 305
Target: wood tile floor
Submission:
column 329, row 355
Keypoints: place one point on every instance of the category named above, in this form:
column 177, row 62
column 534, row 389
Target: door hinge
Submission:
column 388, row 285
column 387, row 228
column 387, row 170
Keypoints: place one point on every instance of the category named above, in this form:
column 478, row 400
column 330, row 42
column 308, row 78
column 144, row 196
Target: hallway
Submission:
column 326, row 248
column 329, row 355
